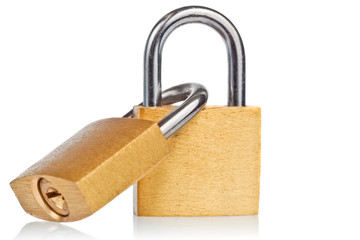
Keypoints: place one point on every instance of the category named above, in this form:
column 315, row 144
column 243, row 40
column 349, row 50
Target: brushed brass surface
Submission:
column 90, row 169
column 213, row 170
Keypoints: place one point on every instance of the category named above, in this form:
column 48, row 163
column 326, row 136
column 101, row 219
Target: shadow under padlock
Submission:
column 214, row 168
column 102, row 160
column 50, row 231
column 229, row 227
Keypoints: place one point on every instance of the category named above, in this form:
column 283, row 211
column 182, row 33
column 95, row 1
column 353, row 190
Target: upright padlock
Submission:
column 214, row 168
column 102, row 160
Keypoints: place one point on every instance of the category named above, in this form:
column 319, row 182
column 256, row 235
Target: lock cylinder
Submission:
column 53, row 198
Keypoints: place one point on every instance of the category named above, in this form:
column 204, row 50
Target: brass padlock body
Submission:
column 213, row 170
column 90, row 169
column 102, row 160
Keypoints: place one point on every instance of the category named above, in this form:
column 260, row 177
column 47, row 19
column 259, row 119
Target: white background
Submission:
column 64, row 64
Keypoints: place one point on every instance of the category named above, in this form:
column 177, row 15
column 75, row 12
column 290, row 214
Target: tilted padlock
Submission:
column 214, row 168
column 102, row 160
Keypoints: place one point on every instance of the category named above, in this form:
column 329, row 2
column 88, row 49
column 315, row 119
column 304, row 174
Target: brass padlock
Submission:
column 214, row 168
column 102, row 160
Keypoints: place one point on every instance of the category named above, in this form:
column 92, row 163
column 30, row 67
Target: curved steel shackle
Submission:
column 194, row 14
column 194, row 96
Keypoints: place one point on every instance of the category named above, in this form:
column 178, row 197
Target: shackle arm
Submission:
column 194, row 14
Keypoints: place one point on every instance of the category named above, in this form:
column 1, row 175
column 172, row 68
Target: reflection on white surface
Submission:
column 50, row 230
column 233, row 227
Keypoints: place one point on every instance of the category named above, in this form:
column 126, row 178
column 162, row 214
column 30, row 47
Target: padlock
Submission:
column 214, row 168
column 102, row 160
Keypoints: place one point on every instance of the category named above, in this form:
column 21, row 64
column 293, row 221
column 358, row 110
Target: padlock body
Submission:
column 213, row 170
column 90, row 169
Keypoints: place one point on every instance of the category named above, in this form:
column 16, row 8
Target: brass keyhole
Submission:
column 53, row 198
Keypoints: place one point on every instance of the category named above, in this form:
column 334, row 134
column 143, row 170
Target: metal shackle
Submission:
column 194, row 14
column 194, row 96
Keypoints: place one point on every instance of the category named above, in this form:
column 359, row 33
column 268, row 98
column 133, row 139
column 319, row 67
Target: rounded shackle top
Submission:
column 194, row 14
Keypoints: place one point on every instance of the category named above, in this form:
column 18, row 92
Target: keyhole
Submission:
column 53, row 198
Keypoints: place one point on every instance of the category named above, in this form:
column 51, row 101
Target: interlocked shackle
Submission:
column 194, row 14
column 194, row 96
